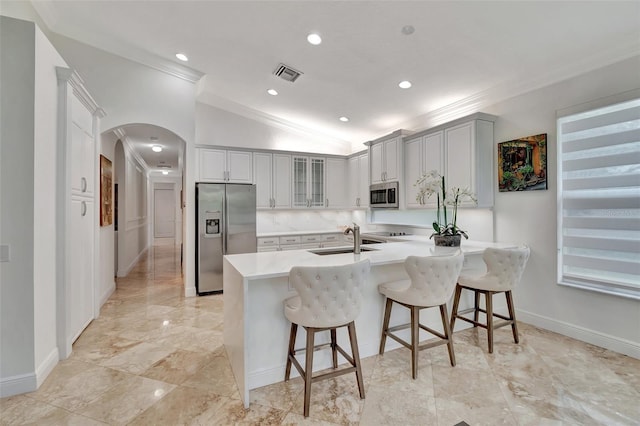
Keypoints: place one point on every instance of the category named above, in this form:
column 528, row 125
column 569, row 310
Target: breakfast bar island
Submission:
column 256, row 331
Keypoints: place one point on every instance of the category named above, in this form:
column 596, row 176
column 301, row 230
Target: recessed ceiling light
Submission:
column 344, row 119
column 156, row 148
column 165, row 172
column 272, row 92
column 314, row 39
column 407, row 30
column 404, row 84
column 182, row 57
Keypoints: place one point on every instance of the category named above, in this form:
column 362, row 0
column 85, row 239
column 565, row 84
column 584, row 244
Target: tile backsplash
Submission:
column 477, row 222
column 307, row 220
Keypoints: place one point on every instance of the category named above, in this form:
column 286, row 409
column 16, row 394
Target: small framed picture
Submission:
column 106, row 193
column 522, row 164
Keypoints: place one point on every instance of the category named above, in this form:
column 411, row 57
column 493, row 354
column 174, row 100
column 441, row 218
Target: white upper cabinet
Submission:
column 336, row 188
column 385, row 156
column 272, row 176
column 377, row 163
column 461, row 151
column 262, row 175
column 217, row 165
column 422, row 154
column 308, row 181
column 359, row 181
column 469, row 159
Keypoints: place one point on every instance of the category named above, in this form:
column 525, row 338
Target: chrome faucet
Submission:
column 356, row 237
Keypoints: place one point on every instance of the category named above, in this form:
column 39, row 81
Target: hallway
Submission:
column 154, row 357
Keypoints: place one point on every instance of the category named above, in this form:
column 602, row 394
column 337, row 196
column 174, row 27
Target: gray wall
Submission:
column 17, row 76
column 531, row 217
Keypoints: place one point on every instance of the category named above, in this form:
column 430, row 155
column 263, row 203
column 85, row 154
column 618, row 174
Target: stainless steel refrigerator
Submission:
column 225, row 224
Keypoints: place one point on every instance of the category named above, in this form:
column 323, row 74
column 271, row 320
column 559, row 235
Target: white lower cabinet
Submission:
column 297, row 242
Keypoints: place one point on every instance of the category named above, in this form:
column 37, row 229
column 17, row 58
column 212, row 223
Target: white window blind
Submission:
column 599, row 199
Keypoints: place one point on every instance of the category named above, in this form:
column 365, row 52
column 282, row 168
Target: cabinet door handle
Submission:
column 326, row 202
column 83, row 184
column 358, row 202
column 83, row 208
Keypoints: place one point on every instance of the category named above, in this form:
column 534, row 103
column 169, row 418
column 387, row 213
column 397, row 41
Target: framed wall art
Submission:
column 522, row 164
column 106, row 193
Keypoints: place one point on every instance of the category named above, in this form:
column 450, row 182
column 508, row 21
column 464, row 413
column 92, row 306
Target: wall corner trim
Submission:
column 47, row 366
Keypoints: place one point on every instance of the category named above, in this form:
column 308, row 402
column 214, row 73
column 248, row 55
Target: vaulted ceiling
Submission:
column 461, row 54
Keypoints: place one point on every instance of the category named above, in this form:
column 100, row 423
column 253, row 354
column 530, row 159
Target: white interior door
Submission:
column 164, row 213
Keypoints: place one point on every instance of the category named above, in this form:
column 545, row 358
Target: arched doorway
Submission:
column 148, row 161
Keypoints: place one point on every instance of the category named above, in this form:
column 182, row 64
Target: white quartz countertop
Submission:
column 279, row 263
column 288, row 233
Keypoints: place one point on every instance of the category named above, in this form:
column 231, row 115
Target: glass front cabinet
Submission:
column 308, row 182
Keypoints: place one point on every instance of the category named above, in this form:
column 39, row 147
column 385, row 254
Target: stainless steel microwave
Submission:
column 383, row 195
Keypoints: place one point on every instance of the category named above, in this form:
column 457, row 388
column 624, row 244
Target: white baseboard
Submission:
column 606, row 341
column 107, row 294
column 47, row 366
column 16, row 385
column 124, row 273
column 190, row 291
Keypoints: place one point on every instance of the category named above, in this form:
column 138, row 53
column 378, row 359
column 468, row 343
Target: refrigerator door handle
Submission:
column 225, row 210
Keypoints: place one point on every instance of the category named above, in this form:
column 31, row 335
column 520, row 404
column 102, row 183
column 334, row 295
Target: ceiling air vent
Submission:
column 285, row 72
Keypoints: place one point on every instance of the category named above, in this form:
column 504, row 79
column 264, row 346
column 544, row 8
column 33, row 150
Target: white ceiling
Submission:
column 138, row 136
column 461, row 54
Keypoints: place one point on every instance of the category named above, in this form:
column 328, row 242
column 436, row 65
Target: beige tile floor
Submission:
column 154, row 357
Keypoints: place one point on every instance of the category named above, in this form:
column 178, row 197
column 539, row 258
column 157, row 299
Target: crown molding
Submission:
column 48, row 16
column 72, row 78
column 126, row 143
column 210, row 99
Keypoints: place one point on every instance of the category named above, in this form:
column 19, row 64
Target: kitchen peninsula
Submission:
column 255, row 285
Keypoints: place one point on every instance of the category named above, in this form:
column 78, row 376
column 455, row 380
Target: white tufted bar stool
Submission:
column 504, row 269
column 328, row 297
column 431, row 284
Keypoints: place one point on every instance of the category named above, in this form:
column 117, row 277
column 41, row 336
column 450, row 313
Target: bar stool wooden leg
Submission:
column 353, row 339
column 512, row 315
column 447, row 334
column 476, row 304
column 415, row 340
column 489, row 302
column 385, row 325
column 292, row 350
column 454, row 310
column 308, row 370
column 334, row 351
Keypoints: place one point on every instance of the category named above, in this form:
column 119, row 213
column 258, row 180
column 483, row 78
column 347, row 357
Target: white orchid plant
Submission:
column 432, row 183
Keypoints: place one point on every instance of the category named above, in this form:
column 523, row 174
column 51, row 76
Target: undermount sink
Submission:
column 339, row 251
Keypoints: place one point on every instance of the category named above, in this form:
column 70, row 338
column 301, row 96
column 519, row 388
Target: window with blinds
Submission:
column 599, row 199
